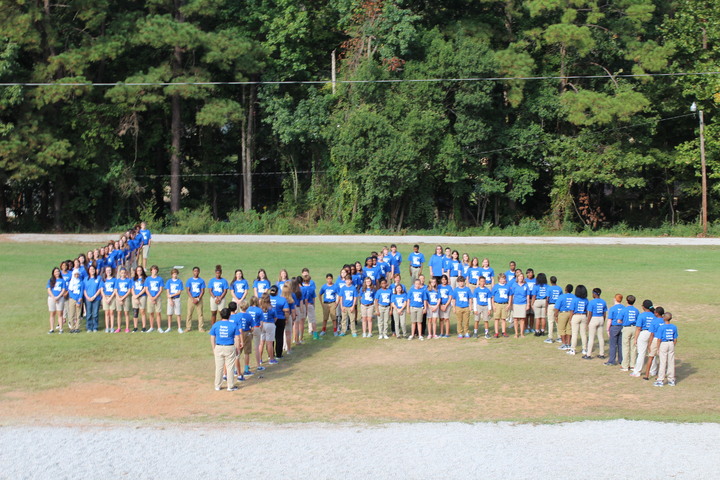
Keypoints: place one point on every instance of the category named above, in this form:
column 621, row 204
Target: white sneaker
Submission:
column 180, row 330
column 369, row 335
column 421, row 337
column 150, row 330
column 635, row 374
column 570, row 351
column 411, row 337
column 168, row 329
column 584, row 352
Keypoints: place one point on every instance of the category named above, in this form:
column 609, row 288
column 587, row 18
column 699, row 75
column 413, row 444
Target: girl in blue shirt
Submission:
column 453, row 268
column 123, row 299
column 519, row 303
column 432, row 306
column 473, row 273
column 139, row 298
column 399, row 309
column 465, row 265
column 436, row 263
column 91, row 288
column 56, row 299
column 261, row 283
column 445, row 291
column 539, row 294
column 267, row 318
column 108, row 295
column 240, row 287
column 367, row 303
column 487, row 272
column 283, row 278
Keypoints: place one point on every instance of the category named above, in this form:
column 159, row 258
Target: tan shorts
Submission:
column 154, row 307
column 500, row 311
column 268, row 331
column 146, row 251
column 214, row 307
column 446, row 314
column 519, row 311
column 173, row 306
column 416, row 314
column 367, row 310
column 247, row 338
column 124, row 305
column 431, row 314
column 653, row 350
column 140, row 302
column 481, row 313
column 108, row 304
column 311, row 313
column 540, row 308
column 56, row 305
column 257, row 335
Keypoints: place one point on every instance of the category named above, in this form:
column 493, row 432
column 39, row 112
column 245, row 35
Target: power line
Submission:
column 230, row 174
column 324, row 82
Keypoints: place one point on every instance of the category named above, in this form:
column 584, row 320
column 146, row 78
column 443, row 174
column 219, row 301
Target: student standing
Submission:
column 481, row 305
column 436, row 263
column 256, row 314
column 453, row 268
column 218, row 288
column 261, row 283
column 225, row 341
column 395, row 260
column 416, row 260
column 75, row 300
column 597, row 311
column 245, row 325
column 348, row 302
column 519, row 303
column 196, row 289
column 399, row 309
column 652, row 364
column 146, row 240
column 174, row 287
column 445, row 291
column 563, row 315
column 329, row 297
column 383, row 298
column 367, row 304
column 499, row 304
column 240, row 287
column 154, row 287
column 554, row 293
column 108, row 298
column 667, row 335
column 642, row 335
column 474, row 272
column 139, row 298
column 56, row 299
column 629, row 347
column 432, row 308
column 487, row 272
column 539, row 294
column 268, row 327
column 282, row 312
column 123, row 301
column 416, row 306
column 462, row 296
column 92, row 294
column 510, row 274
column 615, row 331
column 288, row 293
column 579, row 320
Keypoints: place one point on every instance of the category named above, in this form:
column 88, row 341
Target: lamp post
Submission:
column 703, row 173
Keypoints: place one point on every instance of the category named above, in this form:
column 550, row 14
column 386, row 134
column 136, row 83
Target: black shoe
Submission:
column 144, row 329
column 610, row 364
column 601, row 356
column 587, row 357
column 134, row 330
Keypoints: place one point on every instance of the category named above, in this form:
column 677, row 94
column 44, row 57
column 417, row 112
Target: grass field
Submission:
column 169, row 377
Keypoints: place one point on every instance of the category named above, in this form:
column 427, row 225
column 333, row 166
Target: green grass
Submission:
column 368, row 380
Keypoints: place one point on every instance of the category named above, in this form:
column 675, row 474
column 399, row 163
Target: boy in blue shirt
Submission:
column 348, row 297
column 666, row 339
column 329, row 297
column 154, row 285
column 225, row 341
column 614, row 330
column 173, row 287
column 383, row 298
column 195, row 287
column 416, row 260
column 462, row 296
column 499, row 304
column 597, row 311
column 481, row 303
column 563, row 314
column 554, row 291
column 416, row 304
column 146, row 240
column 629, row 337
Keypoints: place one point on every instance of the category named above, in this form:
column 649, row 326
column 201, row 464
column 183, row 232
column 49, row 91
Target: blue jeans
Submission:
column 615, row 344
column 91, row 313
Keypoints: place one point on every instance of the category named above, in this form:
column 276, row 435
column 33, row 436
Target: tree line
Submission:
column 581, row 142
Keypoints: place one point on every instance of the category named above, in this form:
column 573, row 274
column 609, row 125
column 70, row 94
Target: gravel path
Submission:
column 372, row 239
column 615, row 449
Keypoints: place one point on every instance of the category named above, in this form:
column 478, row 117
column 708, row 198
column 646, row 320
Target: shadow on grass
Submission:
column 684, row 370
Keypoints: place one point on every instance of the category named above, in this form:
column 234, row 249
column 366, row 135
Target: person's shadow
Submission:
column 683, row 370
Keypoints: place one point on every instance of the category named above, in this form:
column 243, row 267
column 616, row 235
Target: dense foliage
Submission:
column 585, row 147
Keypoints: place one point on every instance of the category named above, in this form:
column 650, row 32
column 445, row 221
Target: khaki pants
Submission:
column 629, row 349
column 328, row 311
column 563, row 323
column 463, row 319
column 596, row 328
column 224, row 357
column 579, row 322
column 551, row 323
column 383, row 320
column 414, row 273
column 191, row 308
column 73, row 314
column 348, row 316
column 642, row 348
column 400, row 328
column 666, row 352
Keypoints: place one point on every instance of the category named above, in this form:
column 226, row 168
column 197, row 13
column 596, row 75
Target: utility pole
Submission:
column 703, row 172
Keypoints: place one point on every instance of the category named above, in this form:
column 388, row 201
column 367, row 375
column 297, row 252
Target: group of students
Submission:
column 77, row 287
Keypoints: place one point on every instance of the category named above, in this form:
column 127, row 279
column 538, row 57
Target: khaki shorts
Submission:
column 500, row 311
column 56, row 305
column 431, row 314
column 446, row 313
column 124, row 305
column 173, row 306
column 146, row 251
column 653, row 350
column 367, row 310
column 481, row 313
column 247, row 338
column 140, row 302
column 540, row 308
column 519, row 311
column 214, row 307
column 108, row 304
column 310, row 313
column 257, row 335
column 268, row 331
column 154, row 307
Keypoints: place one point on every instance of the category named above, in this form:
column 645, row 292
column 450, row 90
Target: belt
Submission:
column 502, row 303
column 328, row 302
column 225, row 344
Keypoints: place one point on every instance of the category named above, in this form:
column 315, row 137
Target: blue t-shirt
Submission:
column 382, row 270
column 373, row 273
column 432, row 297
column 108, row 286
column 554, row 293
column 261, row 286
column 395, row 260
column 75, row 290
column 597, row 307
column 308, row 293
column 267, row 317
column 146, row 236
column 454, row 267
column 565, row 302
column 482, row 296
column 531, row 284
column 58, row 288
column 280, row 304
column 123, row 286
column 244, row 321
column 519, row 293
column 174, row 287
column 328, row 293
column 436, row 265
column 580, row 306
column 489, row 275
column 154, row 285
column 91, row 286
column 347, row 295
column 667, row 332
column 399, row 300
column 539, row 291
column 196, row 286
column 255, row 315
column 224, row 332
column 501, row 293
column 657, row 321
column 139, row 286
column 510, row 275
column 217, row 286
column 473, row 275
column 644, row 320
column 614, row 313
column 367, row 297
column 629, row 316
column 417, row 297
column 416, row 259
column 383, row 297
column 240, row 287
column 445, row 292
column 462, row 297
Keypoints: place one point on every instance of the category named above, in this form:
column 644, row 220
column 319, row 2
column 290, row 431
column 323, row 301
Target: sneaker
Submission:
column 364, row 335
column 144, row 330
column 241, row 378
column 411, row 337
column 336, row 334
column 623, row 369
column 232, row 389
column 658, row 384
column 467, row 335
column 609, row 364
column 671, row 383
column 51, row 331
column 588, row 357
column 527, row 330
column 224, row 378
column 549, row 340
column 505, row 335
column 487, row 335
column 634, row 374
column 217, row 389
column 322, row 333
column 601, row 356
column 559, row 340
column 107, row 330
column 60, row 331
column 537, row 333
column 369, row 336
column 341, row 334
column 273, row 362
column 421, row 337
column 584, row 352
column 646, row 378
column 180, row 330
column 570, row 351
column 151, row 329
column 497, row 335
column 260, row 368
column 248, row 373
column 117, row 331
column 354, row 335
column 562, row 347
column 460, row 336
column 127, row 330
column 168, row 329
